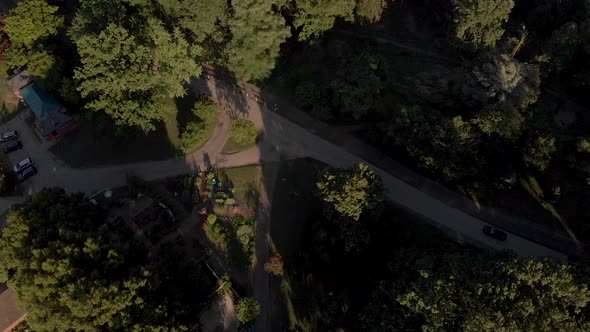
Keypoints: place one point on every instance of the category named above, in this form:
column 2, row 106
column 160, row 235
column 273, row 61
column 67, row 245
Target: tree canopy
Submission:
column 31, row 21
column 465, row 291
column 316, row 16
column 351, row 192
column 75, row 270
column 257, row 34
column 479, row 23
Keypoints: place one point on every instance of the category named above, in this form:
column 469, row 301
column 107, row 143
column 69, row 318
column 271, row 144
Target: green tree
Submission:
column 127, row 80
column 479, row 23
column 257, row 34
column 539, row 151
column 32, row 21
column 204, row 19
column 369, row 11
column 465, row 291
column 357, row 88
column 448, row 146
column 63, row 259
column 351, row 192
column 243, row 132
column 316, row 16
column 248, row 309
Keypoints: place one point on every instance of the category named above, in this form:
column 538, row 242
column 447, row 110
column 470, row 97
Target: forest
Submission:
column 489, row 98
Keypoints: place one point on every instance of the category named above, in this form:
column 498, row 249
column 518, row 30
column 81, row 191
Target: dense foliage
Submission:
column 200, row 127
column 74, row 270
column 466, row 291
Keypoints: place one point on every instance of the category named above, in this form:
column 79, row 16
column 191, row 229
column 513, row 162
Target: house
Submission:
column 19, row 80
column 51, row 118
column 10, row 313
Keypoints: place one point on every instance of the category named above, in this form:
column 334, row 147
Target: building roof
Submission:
column 10, row 313
column 19, row 81
column 53, row 122
column 40, row 102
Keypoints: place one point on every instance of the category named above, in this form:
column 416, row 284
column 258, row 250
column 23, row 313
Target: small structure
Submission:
column 50, row 115
column 10, row 313
column 18, row 81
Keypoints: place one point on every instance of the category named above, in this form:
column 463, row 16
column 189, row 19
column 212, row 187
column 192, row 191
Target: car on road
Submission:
column 9, row 136
column 26, row 173
column 11, row 146
column 23, row 164
column 494, row 232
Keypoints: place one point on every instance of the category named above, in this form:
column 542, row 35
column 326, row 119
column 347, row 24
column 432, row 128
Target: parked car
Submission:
column 494, row 232
column 9, row 136
column 26, row 173
column 23, row 164
column 11, row 146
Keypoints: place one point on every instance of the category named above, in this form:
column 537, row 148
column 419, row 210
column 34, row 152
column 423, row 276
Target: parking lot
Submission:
column 32, row 147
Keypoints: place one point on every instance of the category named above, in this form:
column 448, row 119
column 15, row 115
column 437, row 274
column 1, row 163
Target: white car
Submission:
column 23, row 164
column 9, row 135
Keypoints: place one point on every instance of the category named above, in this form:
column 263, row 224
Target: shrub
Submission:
column 196, row 133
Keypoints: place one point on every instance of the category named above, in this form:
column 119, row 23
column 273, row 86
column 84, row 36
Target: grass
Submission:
column 245, row 181
column 98, row 142
column 242, row 136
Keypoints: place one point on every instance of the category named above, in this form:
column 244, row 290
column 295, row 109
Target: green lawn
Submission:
column 242, row 136
column 245, row 181
column 98, row 142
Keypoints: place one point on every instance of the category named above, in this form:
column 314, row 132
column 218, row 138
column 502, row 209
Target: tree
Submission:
column 466, row 291
column 32, row 21
column 478, row 23
column 63, row 259
column 128, row 80
column 448, row 146
column 357, row 88
column 539, row 151
column 75, row 269
column 316, row 16
column 204, row 19
column 274, row 265
column 369, row 11
column 248, row 309
column 257, row 34
column 351, row 192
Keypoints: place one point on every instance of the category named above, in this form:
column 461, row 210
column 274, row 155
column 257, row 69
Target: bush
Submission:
column 196, row 133
column 248, row 310
column 242, row 135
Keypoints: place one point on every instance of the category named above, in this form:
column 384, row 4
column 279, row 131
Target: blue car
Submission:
column 495, row 233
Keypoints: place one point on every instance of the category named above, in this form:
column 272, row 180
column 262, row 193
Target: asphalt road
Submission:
column 280, row 135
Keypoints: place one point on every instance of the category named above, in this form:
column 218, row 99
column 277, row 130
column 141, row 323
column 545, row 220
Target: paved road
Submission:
column 282, row 138
column 280, row 135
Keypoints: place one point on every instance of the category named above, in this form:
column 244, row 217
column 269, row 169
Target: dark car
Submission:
column 9, row 136
column 12, row 146
column 26, row 173
column 495, row 233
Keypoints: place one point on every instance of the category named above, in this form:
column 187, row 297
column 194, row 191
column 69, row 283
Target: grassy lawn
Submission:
column 98, row 142
column 245, row 181
column 242, row 136
column 10, row 103
column 319, row 273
